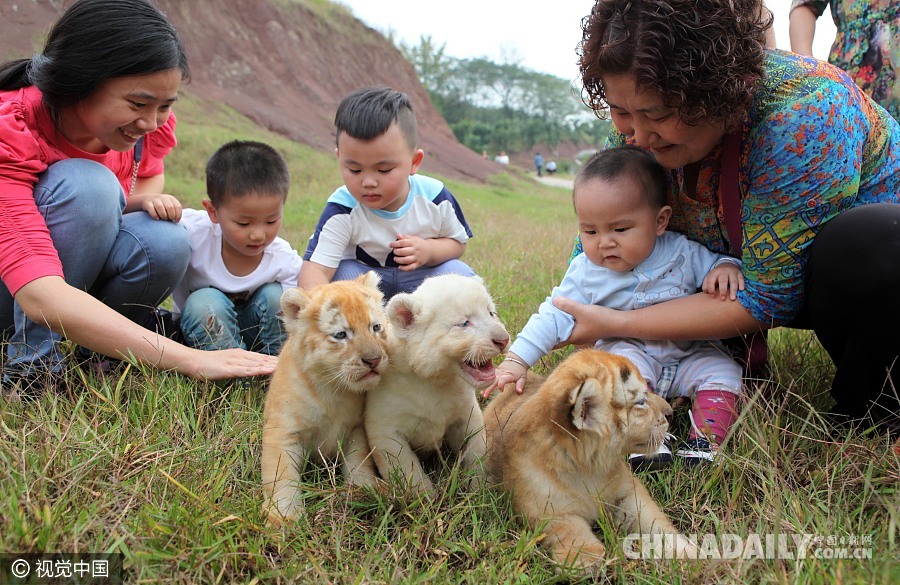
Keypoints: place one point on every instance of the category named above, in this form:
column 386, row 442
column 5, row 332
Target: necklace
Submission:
column 138, row 152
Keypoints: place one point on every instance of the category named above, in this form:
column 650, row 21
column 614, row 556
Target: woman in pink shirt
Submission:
column 89, row 242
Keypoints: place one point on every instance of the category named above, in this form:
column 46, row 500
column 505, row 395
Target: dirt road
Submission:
column 560, row 182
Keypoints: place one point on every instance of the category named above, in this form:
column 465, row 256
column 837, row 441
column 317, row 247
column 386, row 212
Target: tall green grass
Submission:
column 165, row 470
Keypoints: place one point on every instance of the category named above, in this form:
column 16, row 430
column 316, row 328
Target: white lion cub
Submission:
column 444, row 336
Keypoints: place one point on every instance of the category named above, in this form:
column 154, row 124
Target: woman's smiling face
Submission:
column 656, row 126
column 121, row 111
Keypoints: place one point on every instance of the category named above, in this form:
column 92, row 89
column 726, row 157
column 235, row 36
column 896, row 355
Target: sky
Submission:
column 537, row 36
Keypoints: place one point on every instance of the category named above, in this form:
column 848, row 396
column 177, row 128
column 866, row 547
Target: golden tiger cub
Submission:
column 335, row 352
column 559, row 449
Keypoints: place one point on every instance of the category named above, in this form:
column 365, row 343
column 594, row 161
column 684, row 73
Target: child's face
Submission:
column 618, row 226
column 377, row 171
column 249, row 223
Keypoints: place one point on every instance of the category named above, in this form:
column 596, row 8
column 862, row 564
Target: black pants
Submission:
column 853, row 305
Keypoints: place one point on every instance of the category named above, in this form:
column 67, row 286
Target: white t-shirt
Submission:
column 348, row 230
column 280, row 263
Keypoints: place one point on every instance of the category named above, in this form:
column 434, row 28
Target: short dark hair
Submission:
column 704, row 57
column 627, row 161
column 244, row 167
column 96, row 40
column 367, row 113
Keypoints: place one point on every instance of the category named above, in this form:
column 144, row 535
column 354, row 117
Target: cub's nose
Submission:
column 372, row 362
column 660, row 404
column 501, row 342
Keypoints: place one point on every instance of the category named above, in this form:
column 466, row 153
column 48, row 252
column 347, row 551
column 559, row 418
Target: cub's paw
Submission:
column 472, row 479
column 584, row 559
column 276, row 519
column 363, row 477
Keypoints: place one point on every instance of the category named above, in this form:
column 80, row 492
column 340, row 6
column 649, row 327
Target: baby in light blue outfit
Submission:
column 630, row 261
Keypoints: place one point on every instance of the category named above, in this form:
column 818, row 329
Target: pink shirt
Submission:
column 29, row 143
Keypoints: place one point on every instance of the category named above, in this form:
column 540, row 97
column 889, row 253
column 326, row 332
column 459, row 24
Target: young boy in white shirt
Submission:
column 230, row 295
column 386, row 218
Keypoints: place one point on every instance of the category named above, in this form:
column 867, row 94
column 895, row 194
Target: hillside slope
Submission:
column 283, row 63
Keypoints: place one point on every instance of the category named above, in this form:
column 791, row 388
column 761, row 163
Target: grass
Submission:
column 165, row 470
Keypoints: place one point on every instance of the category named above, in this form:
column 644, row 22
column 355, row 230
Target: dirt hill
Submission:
column 284, row 63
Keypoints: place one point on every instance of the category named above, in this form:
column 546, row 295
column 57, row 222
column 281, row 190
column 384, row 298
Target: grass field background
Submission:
column 165, row 470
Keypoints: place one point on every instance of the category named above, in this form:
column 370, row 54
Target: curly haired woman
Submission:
column 813, row 166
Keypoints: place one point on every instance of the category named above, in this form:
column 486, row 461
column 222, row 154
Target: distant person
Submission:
column 551, row 167
column 630, row 262
column 867, row 43
column 89, row 240
column 502, row 158
column 484, row 154
column 539, row 164
column 230, row 295
column 386, row 218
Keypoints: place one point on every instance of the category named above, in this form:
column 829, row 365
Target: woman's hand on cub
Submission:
column 508, row 371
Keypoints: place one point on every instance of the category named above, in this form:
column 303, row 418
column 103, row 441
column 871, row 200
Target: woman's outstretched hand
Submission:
column 232, row 363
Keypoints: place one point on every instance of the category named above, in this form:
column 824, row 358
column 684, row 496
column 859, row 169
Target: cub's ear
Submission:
column 628, row 381
column 369, row 279
column 293, row 301
column 586, row 401
column 403, row 311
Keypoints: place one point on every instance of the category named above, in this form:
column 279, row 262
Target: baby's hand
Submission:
column 411, row 252
column 725, row 280
column 508, row 371
column 162, row 206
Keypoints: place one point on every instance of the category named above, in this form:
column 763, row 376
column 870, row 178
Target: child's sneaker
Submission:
column 30, row 387
column 697, row 451
column 653, row 461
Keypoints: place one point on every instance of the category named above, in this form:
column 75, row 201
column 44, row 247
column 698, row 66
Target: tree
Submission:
column 432, row 66
column 501, row 106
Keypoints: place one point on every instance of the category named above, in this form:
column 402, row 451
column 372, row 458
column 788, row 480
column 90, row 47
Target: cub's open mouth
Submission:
column 370, row 375
column 480, row 372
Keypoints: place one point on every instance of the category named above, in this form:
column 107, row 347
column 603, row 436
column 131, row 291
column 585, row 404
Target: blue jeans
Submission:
column 211, row 320
column 394, row 280
column 129, row 262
